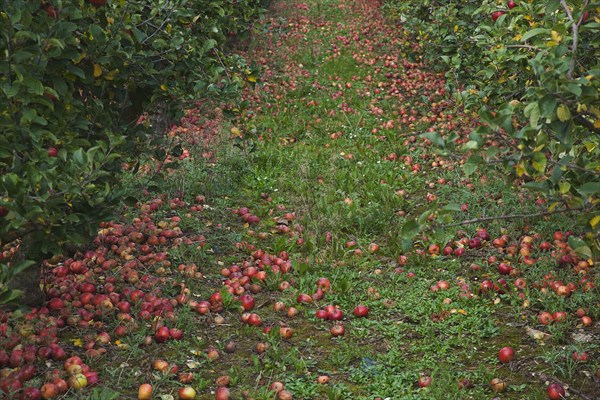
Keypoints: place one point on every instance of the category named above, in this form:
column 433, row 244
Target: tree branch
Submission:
column 512, row 216
column 575, row 30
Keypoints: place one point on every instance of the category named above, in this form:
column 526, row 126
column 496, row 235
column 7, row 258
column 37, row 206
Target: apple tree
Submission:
column 75, row 75
column 530, row 70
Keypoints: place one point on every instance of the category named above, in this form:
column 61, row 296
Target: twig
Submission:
column 512, row 216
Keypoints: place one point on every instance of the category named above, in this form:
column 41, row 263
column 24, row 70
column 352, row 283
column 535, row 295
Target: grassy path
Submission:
column 305, row 214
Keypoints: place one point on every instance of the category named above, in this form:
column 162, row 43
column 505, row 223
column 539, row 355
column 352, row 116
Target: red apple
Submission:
column 556, row 391
column 506, row 355
column 176, row 333
column 31, row 393
column 504, row 268
column 335, row 314
column 222, row 393
column 247, row 301
column 361, row 311
column 254, row 320
column 324, row 284
column 559, row 316
column 52, row 152
column 162, row 334
column 545, row 318
column 580, row 357
column 304, row 298
column 337, row 330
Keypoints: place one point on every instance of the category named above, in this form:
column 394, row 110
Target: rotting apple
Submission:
column 424, row 381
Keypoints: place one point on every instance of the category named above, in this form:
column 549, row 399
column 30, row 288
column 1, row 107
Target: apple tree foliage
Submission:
column 75, row 75
column 531, row 71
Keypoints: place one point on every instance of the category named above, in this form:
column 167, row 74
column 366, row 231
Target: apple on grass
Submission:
column 361, row 311
column 145, row 391
column 506, row 355
column 424, row 381
column 186, row 393
column 556, row 391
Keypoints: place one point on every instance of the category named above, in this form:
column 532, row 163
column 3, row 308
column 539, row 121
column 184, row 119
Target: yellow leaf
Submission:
column 251, row 78
column 521, row 169
column 111, row 75
column 564, row 187
column 595, row 221
column 110, row 20
column 551, row 43
column 597, row 124
column 163, row 87
column 553, row 206
column 97, row 70
column 563, row 113
column 555, row 36
column 77, row 342
column 455, row 28
column 169, row 28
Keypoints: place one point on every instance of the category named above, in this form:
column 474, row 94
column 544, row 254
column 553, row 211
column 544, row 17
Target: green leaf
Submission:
column 20, row 267
column 410, row 229
column 10, row 90
column 534, row 32
column 472, row 164
column 78, row 156
column 34, row 85
column 548, row 105
column 532, row 111
column 551, row 6
column 589, row 188
column 452, row 207
column 15, row 16
column 10, row 295
column 435, row 138
column 574, row 88
column 580, row 247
